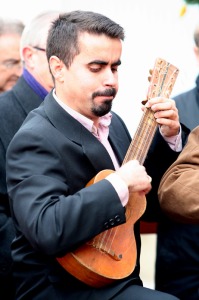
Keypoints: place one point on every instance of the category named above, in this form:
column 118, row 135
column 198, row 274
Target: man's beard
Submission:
column 106, row 106
column 103, row 109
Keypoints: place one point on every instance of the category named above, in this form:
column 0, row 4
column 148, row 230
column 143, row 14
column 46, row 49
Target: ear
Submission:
column 27, row 54
column 196, row 51
column 56, row 67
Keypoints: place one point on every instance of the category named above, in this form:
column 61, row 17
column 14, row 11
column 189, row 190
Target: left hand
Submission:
column 166, row 115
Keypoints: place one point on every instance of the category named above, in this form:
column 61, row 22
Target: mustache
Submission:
column 109, row 92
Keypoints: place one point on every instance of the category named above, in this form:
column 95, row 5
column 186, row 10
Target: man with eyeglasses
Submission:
column 10, row 62
column 27, row 94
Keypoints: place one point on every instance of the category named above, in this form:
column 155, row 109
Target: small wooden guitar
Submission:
column 112, row 254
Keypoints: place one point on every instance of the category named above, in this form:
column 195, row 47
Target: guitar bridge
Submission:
column 109, row 252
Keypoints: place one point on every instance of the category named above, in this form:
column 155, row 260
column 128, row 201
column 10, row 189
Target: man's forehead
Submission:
column 95, row 40
column 99, row 47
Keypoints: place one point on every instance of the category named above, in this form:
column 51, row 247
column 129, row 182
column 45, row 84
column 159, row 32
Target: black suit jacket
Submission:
column 49, row 162
column 14, row 107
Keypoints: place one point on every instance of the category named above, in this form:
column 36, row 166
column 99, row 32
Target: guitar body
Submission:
column 105, row 258
column 112, row 254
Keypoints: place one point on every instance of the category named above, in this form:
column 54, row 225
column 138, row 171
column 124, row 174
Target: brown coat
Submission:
column 179, row 187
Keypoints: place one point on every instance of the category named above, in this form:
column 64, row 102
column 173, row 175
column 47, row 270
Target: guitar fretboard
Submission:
column 161, row 84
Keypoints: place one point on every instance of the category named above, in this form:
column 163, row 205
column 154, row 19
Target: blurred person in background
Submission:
column 15, row 104
column 177, row 259
column 10, row 62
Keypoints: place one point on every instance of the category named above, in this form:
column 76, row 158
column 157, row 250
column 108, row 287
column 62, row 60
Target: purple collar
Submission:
column 34, row 84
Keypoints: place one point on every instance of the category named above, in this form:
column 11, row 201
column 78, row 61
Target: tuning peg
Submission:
column 144, row 101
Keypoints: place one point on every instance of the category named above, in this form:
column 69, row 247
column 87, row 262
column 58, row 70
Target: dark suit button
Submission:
column 106, row 226
column 111, row 222
column 117, row 218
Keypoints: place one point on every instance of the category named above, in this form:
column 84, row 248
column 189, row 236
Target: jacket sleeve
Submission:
column 49, row 207
column 179, row 188
column 7, row 231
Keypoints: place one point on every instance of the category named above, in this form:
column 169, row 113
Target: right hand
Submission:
column 135, row 177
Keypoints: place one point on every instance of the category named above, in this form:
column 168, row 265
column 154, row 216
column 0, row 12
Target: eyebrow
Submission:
column 103, row 63
column 11, row 60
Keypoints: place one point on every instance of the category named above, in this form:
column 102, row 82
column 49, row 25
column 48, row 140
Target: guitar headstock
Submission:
column 162, row 79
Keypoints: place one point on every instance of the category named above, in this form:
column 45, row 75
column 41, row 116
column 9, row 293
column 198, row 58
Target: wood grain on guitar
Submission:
column 112, row 254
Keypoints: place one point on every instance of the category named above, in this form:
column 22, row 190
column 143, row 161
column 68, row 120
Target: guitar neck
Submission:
column 161, row 84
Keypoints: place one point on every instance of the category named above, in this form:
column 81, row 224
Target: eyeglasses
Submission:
column 39, row 48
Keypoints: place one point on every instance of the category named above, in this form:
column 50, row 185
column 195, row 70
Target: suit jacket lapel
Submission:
column 25, row 96
column 91, row 147
column 117, row 145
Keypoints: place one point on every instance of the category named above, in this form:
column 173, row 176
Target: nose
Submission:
column 111, row 78
column 17, row 68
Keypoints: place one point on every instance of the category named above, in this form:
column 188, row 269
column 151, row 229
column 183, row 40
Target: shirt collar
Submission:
column 104, row 121
column 34, row 84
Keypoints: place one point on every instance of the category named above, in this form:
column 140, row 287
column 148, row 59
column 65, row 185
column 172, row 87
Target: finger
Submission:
column 166, row 114
column 162, row 105
column 169, row 127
